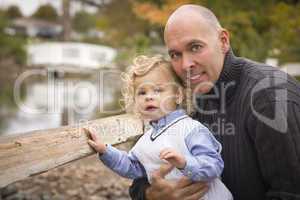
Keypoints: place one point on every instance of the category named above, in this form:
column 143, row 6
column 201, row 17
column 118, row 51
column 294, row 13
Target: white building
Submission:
column 292, row 69
column 70, row 56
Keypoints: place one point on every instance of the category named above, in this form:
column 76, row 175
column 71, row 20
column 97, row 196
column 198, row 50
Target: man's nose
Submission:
column 187, row 62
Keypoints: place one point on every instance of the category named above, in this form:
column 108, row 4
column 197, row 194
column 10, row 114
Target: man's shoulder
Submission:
column 268, row 82
column 266, row 76
column 257, row 70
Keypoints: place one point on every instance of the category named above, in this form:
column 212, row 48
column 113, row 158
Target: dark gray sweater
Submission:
column 254, row 111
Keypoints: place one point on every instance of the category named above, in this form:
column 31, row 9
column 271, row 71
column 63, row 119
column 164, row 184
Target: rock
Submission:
column 95, row 197
column 90, row 188
column 58, row 197
column 117, row 193
column 72, row 192
column 8, row 191
column 16, row 196
column 45, row 196
column 86, row 179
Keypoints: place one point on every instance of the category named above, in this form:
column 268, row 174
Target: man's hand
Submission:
column 184, row 189
column 173, row 157
column 94, row 141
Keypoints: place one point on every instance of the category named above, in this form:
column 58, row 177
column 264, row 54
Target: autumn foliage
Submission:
column 155, row 14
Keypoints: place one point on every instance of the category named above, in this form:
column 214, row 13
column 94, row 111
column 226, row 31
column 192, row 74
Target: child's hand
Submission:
column 94, row 141
column 173, row 157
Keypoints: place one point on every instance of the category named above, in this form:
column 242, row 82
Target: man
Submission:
column 253, row 109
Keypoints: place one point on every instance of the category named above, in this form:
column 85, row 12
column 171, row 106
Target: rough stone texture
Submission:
column 86, row 179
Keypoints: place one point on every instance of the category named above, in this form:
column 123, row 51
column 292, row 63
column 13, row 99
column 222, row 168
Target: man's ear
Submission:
column 225, row 40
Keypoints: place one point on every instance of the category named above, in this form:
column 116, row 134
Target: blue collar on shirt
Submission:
column 165, row 122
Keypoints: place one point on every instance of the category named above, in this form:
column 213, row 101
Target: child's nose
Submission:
column 149, row 97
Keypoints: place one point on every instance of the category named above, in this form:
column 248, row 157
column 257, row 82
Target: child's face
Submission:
column 156, row 93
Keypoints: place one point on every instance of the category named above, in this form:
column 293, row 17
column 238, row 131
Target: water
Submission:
column 47, row 100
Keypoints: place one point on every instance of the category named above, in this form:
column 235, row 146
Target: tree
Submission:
column 119, row 27
column 285, row 30
column 156, row 11
column 46, row 12
column 13, row 12
column 256, row 28
column 67, row 28
column 11, row 47
column 84, row 21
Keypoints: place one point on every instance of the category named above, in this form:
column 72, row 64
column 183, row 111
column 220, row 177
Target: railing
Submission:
column 35, row 152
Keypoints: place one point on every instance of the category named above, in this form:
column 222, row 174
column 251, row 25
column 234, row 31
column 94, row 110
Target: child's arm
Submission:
column 205, row 162
column 126, row 165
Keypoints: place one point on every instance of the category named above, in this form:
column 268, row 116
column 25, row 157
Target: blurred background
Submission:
column 60, row 62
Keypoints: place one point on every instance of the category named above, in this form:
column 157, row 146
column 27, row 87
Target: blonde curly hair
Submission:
column 141, row 66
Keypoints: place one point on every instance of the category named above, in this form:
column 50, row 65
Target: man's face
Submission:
column 197, row 52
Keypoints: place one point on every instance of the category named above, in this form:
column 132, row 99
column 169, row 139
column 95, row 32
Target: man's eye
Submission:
column 195, row 47
column 174, row 55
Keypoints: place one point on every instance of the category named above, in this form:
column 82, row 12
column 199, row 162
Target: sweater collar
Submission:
column 167, row 119
column 231, row 69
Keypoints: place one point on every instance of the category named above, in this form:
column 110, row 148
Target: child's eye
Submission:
column 158, row 90
column 141, row 93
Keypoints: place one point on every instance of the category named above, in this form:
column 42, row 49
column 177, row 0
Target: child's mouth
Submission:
column 151, row 108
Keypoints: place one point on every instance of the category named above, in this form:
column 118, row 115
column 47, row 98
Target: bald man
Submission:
column 253, row 109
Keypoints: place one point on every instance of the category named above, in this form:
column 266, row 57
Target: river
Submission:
column 46, row 100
